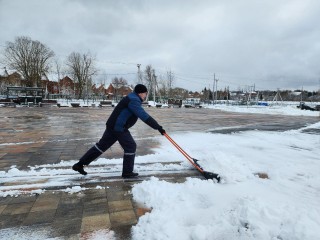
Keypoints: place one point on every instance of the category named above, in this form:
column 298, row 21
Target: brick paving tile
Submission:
column 10, row 221
column 95, row 209
column 67, row 198
column 96, row 222
column 46, row 201
column 17, row 208
column 121, row 205
column 5, row 200
column 66, row 228
column 68, row 212
column 126, row 217
column 39, row 217
column 2, row 207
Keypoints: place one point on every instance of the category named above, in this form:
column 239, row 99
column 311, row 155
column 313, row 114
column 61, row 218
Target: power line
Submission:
column 54, row 72
column 117, row 62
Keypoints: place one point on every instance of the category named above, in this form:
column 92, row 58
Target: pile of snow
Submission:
column 81, row 102
column 243, row 206
column 285, row 109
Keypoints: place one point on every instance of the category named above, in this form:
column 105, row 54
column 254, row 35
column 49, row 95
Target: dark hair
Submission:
column 140, row 88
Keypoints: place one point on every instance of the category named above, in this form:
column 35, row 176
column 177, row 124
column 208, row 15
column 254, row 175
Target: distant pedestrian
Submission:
column 123, row 117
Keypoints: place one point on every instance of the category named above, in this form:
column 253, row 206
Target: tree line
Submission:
column 34, row 61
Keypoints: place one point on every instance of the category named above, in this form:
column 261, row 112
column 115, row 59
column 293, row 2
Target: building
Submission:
column 116, row 93
column 10, row 80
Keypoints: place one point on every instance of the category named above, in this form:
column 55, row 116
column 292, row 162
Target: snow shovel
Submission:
column 194, row 162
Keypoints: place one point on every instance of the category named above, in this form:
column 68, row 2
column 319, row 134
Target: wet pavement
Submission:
column 39, row 136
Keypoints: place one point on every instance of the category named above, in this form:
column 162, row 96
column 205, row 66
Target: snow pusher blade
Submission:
column 194, row 162
column 210, row 175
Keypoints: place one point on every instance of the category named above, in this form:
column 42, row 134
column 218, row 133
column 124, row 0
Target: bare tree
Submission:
column 118, row 83
column 150, row 80
column 59, row 72
column 81, row 66
column 29, row 58
column 162, row 88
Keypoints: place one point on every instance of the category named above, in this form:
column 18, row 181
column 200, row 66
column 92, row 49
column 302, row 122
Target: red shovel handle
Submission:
column 190, row 159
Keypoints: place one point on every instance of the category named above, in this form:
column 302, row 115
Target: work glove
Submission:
column 161, row 130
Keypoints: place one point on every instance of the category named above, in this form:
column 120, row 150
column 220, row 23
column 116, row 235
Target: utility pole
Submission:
column 86, row 90
column 215, row 86
column 154, row 81
column 138, row 77
column 217, row 89
column 228, row 95
column 214, row 80
column 319, row 95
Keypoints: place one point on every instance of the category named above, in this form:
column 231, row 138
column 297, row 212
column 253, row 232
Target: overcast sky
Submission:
column 270, row 44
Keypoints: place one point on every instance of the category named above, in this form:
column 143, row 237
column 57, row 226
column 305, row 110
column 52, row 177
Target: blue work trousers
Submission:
column 107, row 140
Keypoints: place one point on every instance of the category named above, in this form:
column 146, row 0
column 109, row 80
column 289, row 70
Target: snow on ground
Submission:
column 242, row 206
column 290, row 108
column 42, row 232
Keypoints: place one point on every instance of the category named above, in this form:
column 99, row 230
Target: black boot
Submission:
column 79, row 168
column 130, row 175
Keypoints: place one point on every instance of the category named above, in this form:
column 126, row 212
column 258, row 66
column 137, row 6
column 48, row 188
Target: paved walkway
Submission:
column 39, row 136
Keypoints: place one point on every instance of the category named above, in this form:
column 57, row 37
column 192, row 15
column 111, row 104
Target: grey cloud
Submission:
column 243, row 42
